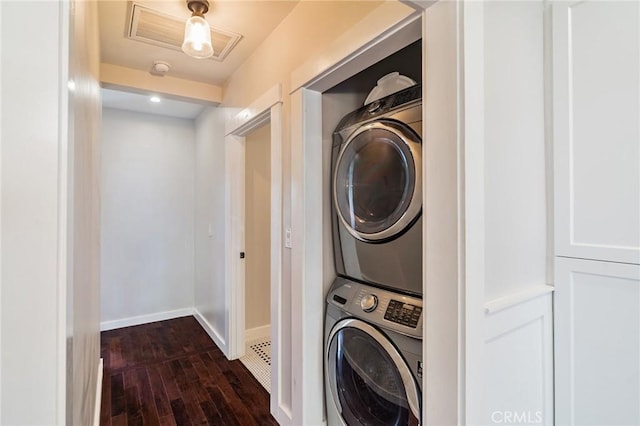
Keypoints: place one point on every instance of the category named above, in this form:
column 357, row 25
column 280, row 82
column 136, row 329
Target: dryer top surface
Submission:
column 387, row 107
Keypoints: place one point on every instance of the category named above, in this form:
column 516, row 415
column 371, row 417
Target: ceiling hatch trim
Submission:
column 161, row 29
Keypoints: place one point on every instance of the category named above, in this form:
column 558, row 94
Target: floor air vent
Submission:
column 158, row 28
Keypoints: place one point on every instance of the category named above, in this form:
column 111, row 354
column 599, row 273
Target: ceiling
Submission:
column 253, row 19
column 142, row 103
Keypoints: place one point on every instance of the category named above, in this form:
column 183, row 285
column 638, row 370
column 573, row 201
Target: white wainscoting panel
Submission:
column 597, row 342
column 518, row 359
column 596, row 104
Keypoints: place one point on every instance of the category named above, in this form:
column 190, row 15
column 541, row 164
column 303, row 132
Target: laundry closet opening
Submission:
column 257, row 245
column 373, row 229
column 342, row 99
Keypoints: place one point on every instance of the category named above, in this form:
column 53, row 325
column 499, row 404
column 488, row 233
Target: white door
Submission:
column 257, row 233
column 596, row 136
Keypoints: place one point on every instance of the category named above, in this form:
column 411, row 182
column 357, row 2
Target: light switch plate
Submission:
column 287, row 238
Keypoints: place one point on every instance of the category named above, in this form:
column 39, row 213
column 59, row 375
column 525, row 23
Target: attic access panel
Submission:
column 161, row 29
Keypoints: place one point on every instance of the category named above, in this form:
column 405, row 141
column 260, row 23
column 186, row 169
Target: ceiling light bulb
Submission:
column 197, row 38
column 155, row 99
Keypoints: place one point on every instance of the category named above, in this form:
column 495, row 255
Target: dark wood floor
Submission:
column 171, row 373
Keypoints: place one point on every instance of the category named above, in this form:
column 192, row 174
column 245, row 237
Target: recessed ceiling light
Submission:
column 155, row 99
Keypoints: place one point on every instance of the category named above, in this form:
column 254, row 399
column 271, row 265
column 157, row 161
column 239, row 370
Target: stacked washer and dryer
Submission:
column 374, row 316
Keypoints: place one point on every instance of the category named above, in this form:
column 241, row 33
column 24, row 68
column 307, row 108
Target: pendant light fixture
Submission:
column 197, row 34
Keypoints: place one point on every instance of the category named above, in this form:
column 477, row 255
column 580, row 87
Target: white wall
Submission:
column 518, row 333
column 514, row 184
column 509, row 359
column 209, row 291
column 442, row 192
column 147, row 215
column 257, row 239
column 30, row 214
column 83, row 288
column 309, row 28
column 1, row 177
column 50, row 339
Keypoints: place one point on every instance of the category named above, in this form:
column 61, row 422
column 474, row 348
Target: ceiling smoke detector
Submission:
column 160, row 68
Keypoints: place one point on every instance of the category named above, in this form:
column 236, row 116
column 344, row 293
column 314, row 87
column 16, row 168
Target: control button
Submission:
column 340, row 300
column 403, row 313
column 374, row 107
column 369, row 303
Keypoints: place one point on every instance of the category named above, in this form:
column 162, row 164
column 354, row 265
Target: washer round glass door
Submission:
column 377, row 182
column 370, row 382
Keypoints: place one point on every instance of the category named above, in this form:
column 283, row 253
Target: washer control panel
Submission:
column 403, row 313
column 387, row 309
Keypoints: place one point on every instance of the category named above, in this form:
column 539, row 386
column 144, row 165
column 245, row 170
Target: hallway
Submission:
column 171, row 373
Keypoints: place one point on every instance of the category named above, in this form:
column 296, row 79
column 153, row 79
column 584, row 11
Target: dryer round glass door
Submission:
column 370, row 382
column 377, row 180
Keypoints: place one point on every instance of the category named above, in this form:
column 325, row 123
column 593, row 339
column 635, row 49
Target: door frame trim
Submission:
column 439, row 24
column 266, row 109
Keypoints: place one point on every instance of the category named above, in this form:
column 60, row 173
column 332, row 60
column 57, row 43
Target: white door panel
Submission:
column 596, row 103
column 597, row 342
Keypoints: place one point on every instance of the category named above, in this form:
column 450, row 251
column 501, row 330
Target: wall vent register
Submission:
column 161, row 29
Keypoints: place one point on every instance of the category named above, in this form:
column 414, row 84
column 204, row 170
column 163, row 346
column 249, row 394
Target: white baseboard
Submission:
column 96, row 408
column 257, row 332
column 144, row 319
column 217, row 339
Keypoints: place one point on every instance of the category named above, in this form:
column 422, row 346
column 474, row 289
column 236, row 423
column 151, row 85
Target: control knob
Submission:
column 374, row 107
column 369, row 303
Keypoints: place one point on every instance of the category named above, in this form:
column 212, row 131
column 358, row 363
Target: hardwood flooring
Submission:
column 171, row 373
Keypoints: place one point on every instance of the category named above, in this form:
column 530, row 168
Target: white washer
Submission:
column 373, row 356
